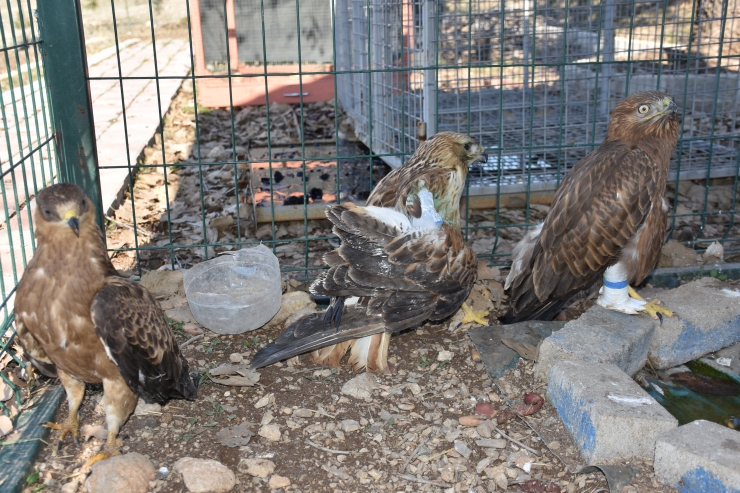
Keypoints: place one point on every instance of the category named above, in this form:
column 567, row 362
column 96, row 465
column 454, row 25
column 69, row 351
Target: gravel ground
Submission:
column 299, row 428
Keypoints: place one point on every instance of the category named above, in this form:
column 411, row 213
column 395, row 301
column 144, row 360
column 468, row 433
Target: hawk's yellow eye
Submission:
column 643, row 109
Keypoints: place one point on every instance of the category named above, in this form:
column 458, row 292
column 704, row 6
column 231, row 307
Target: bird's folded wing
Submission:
column 601, row 205
column 402, row 275
column 414, row 274
column 137, row 337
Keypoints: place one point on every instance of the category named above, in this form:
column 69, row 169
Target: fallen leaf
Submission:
column 470, row 420
column 532, row 403
column 485, row 409
column 526, row 351
column 248, row 380
column 235, row 436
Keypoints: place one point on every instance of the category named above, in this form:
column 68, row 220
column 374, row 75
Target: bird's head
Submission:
column 647, row 113
column 64, row 206
column 451, row 150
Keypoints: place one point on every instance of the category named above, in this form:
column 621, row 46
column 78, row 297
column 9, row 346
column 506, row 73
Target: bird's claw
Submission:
column 70, row 427
column 476, row 317
column 652, row 308
column 111, row 449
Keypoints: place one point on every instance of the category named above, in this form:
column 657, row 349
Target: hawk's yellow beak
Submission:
column 73, row 221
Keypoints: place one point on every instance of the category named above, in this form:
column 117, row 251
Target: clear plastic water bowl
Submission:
column 235, row 292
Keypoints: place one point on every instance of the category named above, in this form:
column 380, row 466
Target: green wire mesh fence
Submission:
column 28, row 164
column 221, row 124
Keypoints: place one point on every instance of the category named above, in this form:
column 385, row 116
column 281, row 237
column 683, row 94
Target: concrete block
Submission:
column 608, row 415
column 699, row 457
column 707, row 319
column 599, row 336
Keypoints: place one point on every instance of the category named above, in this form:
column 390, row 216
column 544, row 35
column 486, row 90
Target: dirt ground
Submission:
column 400, row 419
column 405, row 434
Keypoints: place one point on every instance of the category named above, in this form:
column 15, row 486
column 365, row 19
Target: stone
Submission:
column 599, row 336
column 291, row 302
column 462, row 448
column 271, row 432
column 236, row 357
column 129, row 473
column 491, row 442
column 259, row 468
column 163, row 283
column 144, row 408
column 350, row 425
column 699, row 457
column 707, row 319
column 675, row 254
column 6, row 425
column 608, row 415
column 303, row 413
column 205, row 475
column 445, row 355
column 181, row 314
column 277, row 482
column 361, row 386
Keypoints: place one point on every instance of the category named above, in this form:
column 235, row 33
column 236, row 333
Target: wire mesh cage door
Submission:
column 535, row 81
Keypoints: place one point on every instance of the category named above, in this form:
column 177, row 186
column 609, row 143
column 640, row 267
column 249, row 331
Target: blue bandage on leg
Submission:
column 615, row 285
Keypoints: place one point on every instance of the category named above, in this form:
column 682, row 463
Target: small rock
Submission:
column 128, row 473
column 265, row 400
column 271, row 432
column 260, row 468
column 406, row 406
column 181, row 314
column 145, row 409
column 675, row 254
column 715, row 254
column 291, row 303
column 303, row 413
column 462, row 449
column 521, row 460
column 482, row 465
column 445, row 355
column 361, row 387
column 350, row 425
column 205, row 475
column 483, row 430
column 277, row 482
column 554, row 445
column 5, row 391
column 491, row 442
column 235, row 436
column 414, row 388
column 162, row 473
column 162, row 283
column 470, row 420
column 6, row 425
column 236, row 357
column 447, row 474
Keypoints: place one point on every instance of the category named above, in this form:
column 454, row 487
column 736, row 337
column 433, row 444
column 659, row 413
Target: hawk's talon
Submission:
column 471, row 316
column 652, row 308
column 111, row 449
column 70, row 426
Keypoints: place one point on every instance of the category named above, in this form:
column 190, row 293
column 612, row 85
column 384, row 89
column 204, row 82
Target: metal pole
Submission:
column 65, row 66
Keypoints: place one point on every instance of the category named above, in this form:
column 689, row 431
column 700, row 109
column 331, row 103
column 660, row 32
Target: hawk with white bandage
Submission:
column 607, row 218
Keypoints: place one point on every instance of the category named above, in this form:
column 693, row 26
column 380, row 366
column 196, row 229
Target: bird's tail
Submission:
column 311, row 333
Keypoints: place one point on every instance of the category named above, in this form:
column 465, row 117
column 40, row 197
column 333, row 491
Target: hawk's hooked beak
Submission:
column 73, row 221
column 670, row 107
column 482, row 158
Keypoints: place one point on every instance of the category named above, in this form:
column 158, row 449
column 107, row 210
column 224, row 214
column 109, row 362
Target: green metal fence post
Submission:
column 65, row 62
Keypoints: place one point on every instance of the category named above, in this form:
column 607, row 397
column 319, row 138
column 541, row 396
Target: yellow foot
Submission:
column 471, row 316
column 105, row 454
column 652, row 308
column 70, row 427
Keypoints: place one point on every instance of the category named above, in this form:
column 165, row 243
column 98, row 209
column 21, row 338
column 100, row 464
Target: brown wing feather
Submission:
column 597, row 210
column 138, row 339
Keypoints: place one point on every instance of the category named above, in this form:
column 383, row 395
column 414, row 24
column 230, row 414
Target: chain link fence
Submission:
column 238, row 152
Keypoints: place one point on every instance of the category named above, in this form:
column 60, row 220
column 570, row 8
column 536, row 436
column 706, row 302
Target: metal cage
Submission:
column 535, row 81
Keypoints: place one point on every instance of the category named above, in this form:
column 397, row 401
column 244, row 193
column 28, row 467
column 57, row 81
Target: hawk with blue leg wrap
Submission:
column 403, row 260
column 607, row 218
